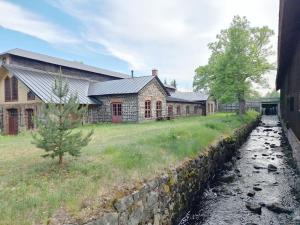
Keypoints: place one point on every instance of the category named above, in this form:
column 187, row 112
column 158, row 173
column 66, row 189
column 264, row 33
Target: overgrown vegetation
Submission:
column 33, row 188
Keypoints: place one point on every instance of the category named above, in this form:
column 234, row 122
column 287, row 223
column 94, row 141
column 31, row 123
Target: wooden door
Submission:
column 29, row 119
column 116, row 112
column 13, row 121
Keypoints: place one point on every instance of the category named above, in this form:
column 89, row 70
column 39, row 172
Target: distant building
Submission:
column 288, row 72
column 27, row 78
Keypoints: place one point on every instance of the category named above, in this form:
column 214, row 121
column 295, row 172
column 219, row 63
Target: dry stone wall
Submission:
column 164, row 199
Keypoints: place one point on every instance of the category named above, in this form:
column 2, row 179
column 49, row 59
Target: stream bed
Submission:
column 259, row 186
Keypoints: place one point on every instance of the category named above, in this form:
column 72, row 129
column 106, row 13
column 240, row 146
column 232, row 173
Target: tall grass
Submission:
column 33, row 188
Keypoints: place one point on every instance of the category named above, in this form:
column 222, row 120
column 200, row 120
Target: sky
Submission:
column 125, row 35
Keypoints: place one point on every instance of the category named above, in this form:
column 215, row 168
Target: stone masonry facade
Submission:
column 153, row 92
column 185, row 109
column 103, row 113
column 21, row 114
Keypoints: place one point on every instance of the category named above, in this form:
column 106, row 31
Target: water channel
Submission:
column 259, row 186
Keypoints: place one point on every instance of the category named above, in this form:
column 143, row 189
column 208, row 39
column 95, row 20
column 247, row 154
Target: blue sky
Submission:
column 170, row 35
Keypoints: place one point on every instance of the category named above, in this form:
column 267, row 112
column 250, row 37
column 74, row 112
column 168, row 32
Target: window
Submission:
column 30, row 95
column 147, row 109
column 178, row 110
column 195, row 109
column 158, row 109
column 170, row 110
column 292, row 103
column 11, row 89
column 117, row 109
column 187, row 110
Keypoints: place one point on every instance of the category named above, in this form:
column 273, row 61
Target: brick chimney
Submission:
column 154, row 72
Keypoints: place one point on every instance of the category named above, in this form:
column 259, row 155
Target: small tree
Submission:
column 55, row 129
column 239, row 58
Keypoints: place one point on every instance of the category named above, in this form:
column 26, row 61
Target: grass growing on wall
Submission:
column 33, row 188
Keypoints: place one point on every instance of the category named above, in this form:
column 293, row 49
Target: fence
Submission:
column 234, row 107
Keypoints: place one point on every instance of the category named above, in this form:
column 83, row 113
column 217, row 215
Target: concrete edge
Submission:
column 294, row 142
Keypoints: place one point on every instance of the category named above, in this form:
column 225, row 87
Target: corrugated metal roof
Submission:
column 123, row 86
column 62, row 62
column 41, row 83
column 187, row 97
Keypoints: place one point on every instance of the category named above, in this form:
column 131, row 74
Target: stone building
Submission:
column 27, row 78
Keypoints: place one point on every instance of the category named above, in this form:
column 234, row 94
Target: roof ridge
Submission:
column 47, row 72
column 63, row 62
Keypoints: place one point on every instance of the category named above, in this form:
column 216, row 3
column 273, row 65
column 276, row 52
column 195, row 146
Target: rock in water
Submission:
column 253, row 207
column 257, row 188
column 277, row 208
column 272, row 168
column 227, row 178
column 257, row 167
column 251, row 193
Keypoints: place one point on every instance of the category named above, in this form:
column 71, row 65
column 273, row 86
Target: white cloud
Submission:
column 16, row 18
column 170, row 35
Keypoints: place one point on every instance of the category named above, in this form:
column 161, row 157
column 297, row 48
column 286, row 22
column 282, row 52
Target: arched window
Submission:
column 170, row 111
column 158, row 109
column 187, row 109
column 11, row 89
column 148, row 109
column 195, row 109
column 178, row 110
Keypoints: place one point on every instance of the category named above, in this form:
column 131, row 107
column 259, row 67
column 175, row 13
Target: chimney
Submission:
column 132, row 73
column 154, row 72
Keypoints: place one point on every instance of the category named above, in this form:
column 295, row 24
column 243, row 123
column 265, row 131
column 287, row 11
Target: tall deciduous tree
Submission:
column 56, row 133
column 239, row 58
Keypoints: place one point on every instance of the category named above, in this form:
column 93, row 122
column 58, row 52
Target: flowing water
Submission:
column 276, row 198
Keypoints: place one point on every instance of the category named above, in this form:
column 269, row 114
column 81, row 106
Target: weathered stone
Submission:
column 227, row 178
column 272, row 168
column 106, row 219
column 257, row 167
column 255, row 188
column 251, row 193
column 123, row 218
column 228, row 165
column 136, row 196
column 253, row 207
column 136, row 215
column 277, row 208
column 152, row 198
column 124, row 203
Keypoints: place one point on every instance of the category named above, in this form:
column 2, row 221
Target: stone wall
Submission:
column 22, row 116
column 164, row 199
column 103, row 113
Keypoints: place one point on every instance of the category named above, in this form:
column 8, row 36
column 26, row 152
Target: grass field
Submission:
column 33, row 188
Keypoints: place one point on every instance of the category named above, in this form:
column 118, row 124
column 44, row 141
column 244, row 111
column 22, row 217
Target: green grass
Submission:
column 33, row 188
